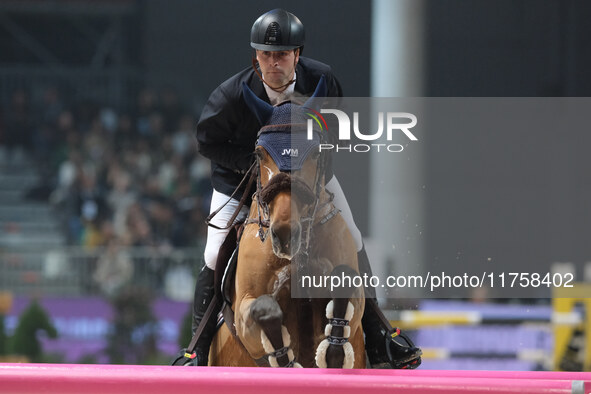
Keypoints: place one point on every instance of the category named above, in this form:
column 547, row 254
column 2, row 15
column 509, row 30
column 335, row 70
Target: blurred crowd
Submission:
column 116, row 177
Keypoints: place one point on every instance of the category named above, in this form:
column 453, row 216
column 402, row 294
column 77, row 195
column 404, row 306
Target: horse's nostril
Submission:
column 286, row 238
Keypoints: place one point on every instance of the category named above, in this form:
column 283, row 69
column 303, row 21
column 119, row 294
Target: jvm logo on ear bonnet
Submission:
column 291, row 152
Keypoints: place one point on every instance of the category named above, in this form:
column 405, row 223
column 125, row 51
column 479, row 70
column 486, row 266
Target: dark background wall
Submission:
column 508, row 48
column 515, row 195
column 472, row 48
column 196, row 45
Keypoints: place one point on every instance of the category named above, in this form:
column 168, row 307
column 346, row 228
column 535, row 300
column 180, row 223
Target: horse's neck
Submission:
column 324, row 207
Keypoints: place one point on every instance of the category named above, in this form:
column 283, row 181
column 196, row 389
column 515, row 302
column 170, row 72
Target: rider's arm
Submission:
column 334, row 86
column 216, row 133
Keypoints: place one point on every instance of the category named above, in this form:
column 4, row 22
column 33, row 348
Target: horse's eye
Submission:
column 315, row 155
column 258, row 153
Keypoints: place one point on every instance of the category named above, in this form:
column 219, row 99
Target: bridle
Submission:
column 309, row 195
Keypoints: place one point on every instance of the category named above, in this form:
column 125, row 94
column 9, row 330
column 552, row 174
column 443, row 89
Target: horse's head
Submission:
column 290, row 170
column 289, row 196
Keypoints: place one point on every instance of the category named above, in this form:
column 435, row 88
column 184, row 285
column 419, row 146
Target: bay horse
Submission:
column 293, row 229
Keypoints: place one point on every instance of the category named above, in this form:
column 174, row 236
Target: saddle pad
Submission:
column 224, row 256
column 227, row 282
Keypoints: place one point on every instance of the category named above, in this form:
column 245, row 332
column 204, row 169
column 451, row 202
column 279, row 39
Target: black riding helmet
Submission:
column 277, row 30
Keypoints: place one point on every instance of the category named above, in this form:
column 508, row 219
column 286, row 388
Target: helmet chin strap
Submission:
column 258, row 73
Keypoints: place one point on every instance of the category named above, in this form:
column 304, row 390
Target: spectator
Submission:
column 145, row 180
column 183, row 143
column 90, row 209
column 140, row 233
column 120, row 197
column 146, row 106
column 124, row 135
column 114, row 268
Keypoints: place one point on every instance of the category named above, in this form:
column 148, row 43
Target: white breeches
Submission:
column 216, row 237
column 341, row 203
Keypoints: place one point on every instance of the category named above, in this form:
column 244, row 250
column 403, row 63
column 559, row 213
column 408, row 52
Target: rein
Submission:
column 250, row 175
column 263, row 219
column 282, row 182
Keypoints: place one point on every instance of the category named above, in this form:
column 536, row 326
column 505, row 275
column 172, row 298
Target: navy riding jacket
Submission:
column 227, row 130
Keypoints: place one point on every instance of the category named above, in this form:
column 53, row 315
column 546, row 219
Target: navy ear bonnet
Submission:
column 286, row 137
column 285, row 133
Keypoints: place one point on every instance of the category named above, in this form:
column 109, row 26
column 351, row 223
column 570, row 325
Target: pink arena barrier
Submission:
column 106, row 379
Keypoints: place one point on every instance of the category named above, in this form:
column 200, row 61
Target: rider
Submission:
column 227, row 133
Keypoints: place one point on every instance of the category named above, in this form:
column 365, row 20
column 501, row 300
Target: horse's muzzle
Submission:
column 286, row 239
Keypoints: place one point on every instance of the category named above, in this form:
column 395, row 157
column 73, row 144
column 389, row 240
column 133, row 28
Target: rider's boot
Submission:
column 204, row 292
column 386, row 347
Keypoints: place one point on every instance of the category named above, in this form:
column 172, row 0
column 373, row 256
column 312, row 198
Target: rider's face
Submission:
column 277, row 67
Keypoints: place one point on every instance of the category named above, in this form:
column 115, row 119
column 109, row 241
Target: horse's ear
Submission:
column 319, row 92
column 260, row 108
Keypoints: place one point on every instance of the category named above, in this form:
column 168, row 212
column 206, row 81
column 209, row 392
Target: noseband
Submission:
column 284, row 182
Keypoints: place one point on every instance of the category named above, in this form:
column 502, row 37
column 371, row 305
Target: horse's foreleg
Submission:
column 336, row 351
column 274, row 335
column 265, row 319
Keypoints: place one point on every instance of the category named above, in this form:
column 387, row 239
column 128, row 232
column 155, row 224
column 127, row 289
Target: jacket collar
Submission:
column 301, row 84
column 256, row 85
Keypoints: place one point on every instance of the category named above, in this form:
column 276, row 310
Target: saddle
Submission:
column 225, row 268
